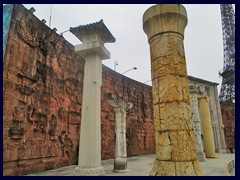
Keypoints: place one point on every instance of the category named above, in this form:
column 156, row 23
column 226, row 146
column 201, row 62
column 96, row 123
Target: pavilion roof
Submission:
column 93, row 28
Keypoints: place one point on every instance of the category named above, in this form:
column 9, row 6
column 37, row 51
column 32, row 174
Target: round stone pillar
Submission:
column 164, row 25
column 208, row 139
column 196, row 122
column 120, row 160
column 120, row 111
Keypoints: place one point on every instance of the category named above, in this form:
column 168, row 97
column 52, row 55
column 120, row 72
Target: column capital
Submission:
column 117, row 102
column 193, row 88
column 204, row 97
column 93, row 37
column 163, row 18
column 92, row 47
column 119, row 109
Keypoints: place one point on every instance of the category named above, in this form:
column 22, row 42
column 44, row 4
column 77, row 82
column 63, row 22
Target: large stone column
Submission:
column 196, row 122
column 209, row 146
column 93, row 37
column 120, row 109
column 175, row 149
column 219, row 120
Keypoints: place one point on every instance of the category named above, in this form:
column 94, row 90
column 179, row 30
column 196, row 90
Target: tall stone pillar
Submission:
column 208, row 138
column 164, row 25
column 219, row 120
column 120, row 109
column 120, row 159
column 93, row 37
column 196, row 122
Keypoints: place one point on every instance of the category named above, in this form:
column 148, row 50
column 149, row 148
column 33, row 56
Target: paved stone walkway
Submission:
column 232, row 172
column 215, row 167
column 141, row 166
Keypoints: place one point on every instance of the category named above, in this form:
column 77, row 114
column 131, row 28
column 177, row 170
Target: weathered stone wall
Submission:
column 42, row 97
column 228, row 116
column 43, row 81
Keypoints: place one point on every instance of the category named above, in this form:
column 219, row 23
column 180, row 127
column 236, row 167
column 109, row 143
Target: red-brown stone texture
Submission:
column 42, row 86
column 228, row 117
column 139, row 126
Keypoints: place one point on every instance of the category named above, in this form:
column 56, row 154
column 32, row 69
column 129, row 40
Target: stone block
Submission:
column 172, row 116
column 154, row 169
column 198, row 168
column 170, row 88
column 8, row 172
column 173, row 65
column 163, row 168
column 185, row 169
column 163, row 146
column 166, row 168
column 182, row 145
column 165, row 45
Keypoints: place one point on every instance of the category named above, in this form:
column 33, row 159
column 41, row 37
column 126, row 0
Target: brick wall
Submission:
column 42, row 86
column 228, row 117
column 139, row 126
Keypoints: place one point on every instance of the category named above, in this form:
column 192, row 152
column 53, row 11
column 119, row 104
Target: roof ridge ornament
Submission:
column 98, row 28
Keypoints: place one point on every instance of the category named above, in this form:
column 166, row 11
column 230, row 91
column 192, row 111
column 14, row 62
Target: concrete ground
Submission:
column 141, row 166
column 232, row 172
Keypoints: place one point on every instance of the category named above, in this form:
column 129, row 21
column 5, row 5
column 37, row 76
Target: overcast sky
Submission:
column 203, row 35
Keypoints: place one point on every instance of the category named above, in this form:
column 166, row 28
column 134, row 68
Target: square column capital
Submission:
column 98, row 28
column 92, row 47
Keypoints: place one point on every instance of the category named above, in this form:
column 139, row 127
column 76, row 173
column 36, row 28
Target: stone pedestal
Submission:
column 93, row 37
column 120, row 110
column 196, row 122
column 208, row 138
column 174, row 136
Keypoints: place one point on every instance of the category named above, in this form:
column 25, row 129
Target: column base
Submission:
column 210, row 155
column 201, row 156
column 121, row 171
column 98, row 171
column 172, row 168
column 120, row 164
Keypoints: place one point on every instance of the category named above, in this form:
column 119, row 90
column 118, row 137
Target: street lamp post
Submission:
column 134, row 68
column 115, row 65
